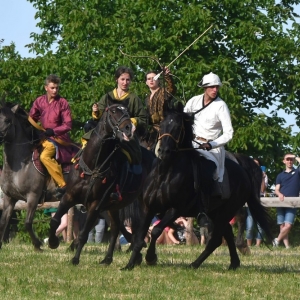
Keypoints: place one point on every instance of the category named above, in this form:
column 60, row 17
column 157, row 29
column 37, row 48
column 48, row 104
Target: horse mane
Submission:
column 22, row 116
column 187, row 118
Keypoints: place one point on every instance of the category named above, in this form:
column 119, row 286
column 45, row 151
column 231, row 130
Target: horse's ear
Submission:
column 179, row 107
column 15, row 108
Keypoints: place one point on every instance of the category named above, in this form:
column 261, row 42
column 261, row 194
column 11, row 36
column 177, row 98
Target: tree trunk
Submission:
column 189, row 231
column 70, row 224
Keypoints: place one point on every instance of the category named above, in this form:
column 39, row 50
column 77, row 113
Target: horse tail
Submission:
column 259, row 213
column 131, row 214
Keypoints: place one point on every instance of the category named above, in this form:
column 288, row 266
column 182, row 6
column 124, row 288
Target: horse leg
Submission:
column 240, row 241
column 31, row 208
column 7, row 211
column 136, row 255
column 169, row 218
column 114, row 232
column 213, row 243
column 234, row 258
column 91, row 218
column 62, row 209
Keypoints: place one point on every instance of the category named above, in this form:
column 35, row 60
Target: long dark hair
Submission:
column 121, row 70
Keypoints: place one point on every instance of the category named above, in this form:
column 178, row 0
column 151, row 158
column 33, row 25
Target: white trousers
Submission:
column 216, row 155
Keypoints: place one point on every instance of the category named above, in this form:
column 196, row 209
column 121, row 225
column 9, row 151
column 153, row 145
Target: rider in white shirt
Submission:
column 212, row 125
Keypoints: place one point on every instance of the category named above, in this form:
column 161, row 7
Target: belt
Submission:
column 199, row 138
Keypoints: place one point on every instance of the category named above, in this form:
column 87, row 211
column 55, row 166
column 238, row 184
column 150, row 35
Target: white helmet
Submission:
column 210, row 79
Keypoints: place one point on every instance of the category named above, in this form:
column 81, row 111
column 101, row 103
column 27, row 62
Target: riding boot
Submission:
column 206, row 186
column 217, row 189
column 117, row 195
column 59, row 192
column 202, row 218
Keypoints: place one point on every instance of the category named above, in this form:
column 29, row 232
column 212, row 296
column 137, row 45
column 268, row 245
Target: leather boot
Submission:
column 59, row 192
column 116, row 195
column 217, row 190
column 202, row 218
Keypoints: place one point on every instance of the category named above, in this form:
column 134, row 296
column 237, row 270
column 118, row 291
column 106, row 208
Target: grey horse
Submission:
column 20, row 180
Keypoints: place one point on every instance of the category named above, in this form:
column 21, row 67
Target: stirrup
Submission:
column 117, row 195
column 59, row 192
column 202, row 219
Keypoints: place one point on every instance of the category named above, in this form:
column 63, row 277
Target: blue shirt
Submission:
column 289, row 183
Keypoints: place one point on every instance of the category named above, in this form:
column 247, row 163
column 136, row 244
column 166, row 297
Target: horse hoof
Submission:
column 193, row 265
column 53, row 242
column 75, row 261
column 234, row 266
column 37, row 246
column 139, row 259
column 151, row 262
column 38, row 249
column 128, row 267
column 245, row 250
column 106, row 261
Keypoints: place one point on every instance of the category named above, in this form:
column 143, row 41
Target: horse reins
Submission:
column 182, row 129
column 58, row 140
column 4, row 135
column 181, row 133
column 117, row 122
column 115, row 125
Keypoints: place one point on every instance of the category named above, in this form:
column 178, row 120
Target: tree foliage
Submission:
column 80, row 40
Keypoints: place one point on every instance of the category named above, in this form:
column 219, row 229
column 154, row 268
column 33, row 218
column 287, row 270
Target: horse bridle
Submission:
column 176, row 140
column 4, row 134
column 114, row 122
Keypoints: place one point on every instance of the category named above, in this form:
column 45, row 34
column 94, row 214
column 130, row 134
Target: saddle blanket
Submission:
column 41, row 168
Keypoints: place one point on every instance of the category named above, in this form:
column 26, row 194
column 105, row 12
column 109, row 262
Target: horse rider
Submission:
column 212, row 130
column 155, row 102
column 122, row 95
column 54, row 114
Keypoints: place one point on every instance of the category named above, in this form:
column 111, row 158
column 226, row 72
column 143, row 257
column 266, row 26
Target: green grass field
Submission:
column 264, row 274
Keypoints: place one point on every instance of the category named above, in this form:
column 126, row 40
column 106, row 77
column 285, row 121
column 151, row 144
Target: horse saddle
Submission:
column 41, row 168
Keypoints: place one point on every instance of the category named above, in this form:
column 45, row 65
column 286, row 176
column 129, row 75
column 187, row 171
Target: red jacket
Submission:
column 57, row 116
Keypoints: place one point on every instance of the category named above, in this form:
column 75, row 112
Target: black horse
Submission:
column 170, row 189
column 96, row 175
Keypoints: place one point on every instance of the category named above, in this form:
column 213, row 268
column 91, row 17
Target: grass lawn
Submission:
column 264, row 274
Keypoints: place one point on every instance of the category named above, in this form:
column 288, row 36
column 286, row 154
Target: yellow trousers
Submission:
column 48, row 159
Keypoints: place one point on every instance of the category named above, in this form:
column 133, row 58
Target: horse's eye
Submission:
column 7, row 120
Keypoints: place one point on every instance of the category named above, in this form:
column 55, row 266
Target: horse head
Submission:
column 175, row 131
column 14, row 121
column 116, row 122
column 7, row 120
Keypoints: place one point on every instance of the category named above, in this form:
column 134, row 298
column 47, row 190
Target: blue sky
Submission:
column 17, row 22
